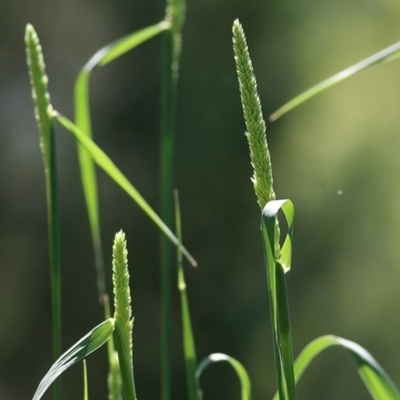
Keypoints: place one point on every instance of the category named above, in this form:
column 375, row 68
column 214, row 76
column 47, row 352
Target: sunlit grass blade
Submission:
column 189, row 349
column 45, row 122
column 83, row 121
column 175, row 15
column 378, row 383
column 114, row 377
column 389, row 54
column 123, row 315
column 89, row 343
column 236, row 365
column 85, row 382
column 104, row 162
column 276, row 268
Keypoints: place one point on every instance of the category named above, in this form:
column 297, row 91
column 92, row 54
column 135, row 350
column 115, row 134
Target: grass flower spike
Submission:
column 40, row 94
column 123, row 315
column 255, row 124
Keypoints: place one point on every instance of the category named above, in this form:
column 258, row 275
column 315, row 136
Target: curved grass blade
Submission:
column 82, row 118
column 104, row 162
column 189, row 348
column 123, row 315
column 89, row 343
column 175, row 15
column 276, row 267
column 389, row 54
column 45, row 122
column 378, row 383
column 236, row 365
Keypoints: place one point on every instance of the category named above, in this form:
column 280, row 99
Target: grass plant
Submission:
column 117, row 331
column 45, row 121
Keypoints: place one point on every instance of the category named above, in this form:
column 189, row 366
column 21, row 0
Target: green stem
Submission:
column 54, row 244
column 175, row 15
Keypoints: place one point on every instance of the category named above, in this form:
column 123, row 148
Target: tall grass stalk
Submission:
column 263, row 181
column 175, row 15
column 45, row 122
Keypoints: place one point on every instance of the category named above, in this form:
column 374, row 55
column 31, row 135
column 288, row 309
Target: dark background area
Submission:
column 345, row 274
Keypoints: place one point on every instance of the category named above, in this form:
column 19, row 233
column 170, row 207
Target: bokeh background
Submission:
column 336, row 157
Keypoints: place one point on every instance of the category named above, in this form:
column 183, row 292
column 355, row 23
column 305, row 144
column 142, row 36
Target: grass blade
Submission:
column 236, row 365
column 104, row 162
column 189, row 348
column 82, row 118
column 175, row 15
column 123, row 315
column 375, row 378
column 276, row 268
column 389, row 54
column 45, row 122
column 88, row 344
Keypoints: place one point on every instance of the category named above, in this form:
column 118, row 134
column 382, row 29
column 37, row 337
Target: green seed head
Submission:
column 255, row 124
column 122, row 295
column 40, row 94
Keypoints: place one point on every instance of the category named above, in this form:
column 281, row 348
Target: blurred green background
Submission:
column 336, row 157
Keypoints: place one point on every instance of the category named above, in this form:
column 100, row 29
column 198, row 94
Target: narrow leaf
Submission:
column 378, row 383
column 236, row 365
column 189, row 349
column 89, row 343
column 104, row 162
column 82, row 118
column 389, row 54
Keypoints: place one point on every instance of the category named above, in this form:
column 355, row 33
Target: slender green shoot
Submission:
column 389, row 54
column 277, row 260
column 378, row 383
column 276, row 269
column 175, row 16
column 45, row 122
column 189, row 348
column 85, row 382
column 83, row 121
column 240, row 370
column 255, row 124
column 114, row 376
column 104, row 162
column 80, row 350
column 123, row 315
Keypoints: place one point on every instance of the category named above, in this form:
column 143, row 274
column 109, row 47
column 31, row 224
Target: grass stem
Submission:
column 175, row 14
